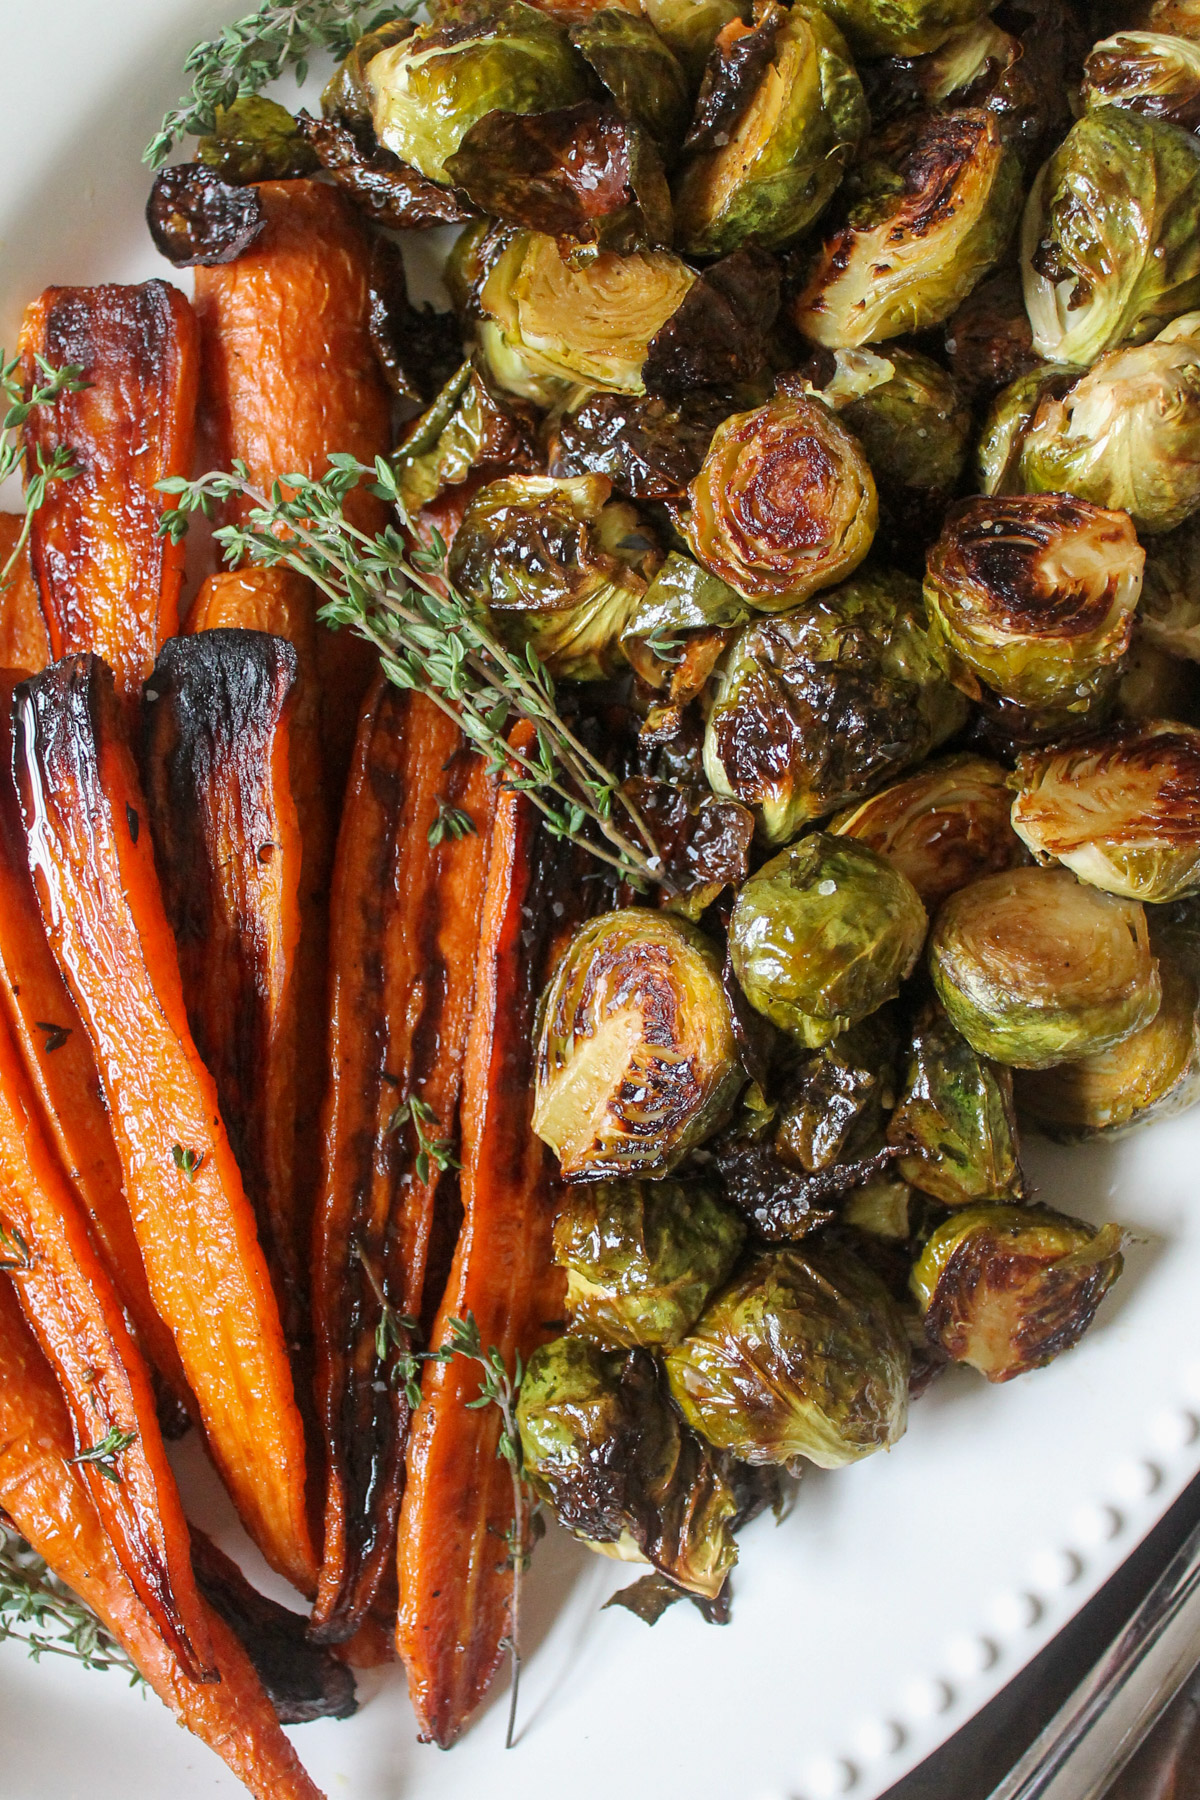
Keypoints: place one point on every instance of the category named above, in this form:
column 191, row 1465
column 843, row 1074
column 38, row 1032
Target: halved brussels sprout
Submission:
column 1033, row 595
column 548, row 326
column 823, row 934
column 256, row 139
column 558, row 565
column 954, row 1120
column 1127, row 434
column 1151, row 72
column 943, row 827
column 912, row 251
column 602, row 1445
column 815, row 707
column 642, row 1257
column 1008, row 418
column 464, row 429
column 1009, row 1288
column 1151, row 1074
column 637, row 1061
column 1109, row 248
column 1121, row 808
column 834, row 1104
column 800, row 1356
column 784, row 504
column 904, row 27
column 1169, row 613
column 774, row 168
column 639, row 70
column 1035, row 969
column 428, row 90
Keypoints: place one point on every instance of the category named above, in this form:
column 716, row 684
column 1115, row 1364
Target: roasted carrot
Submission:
column 404, row 930
column 109, row 583
column 291, row 376
column 77, row 1319
column 455, row 1579
column 216, row 765
column 93, row 864
column 24, row 643
column 51, row 1506
column 62, row 1070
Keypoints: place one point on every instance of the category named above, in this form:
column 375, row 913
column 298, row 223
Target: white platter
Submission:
column 900, row 1595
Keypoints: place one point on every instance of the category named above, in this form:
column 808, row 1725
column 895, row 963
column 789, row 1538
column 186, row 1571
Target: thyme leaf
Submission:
column 41, row 1612
column 15, row 1254
column 188, row 1161
column 103, row 1456
column 19, row 402
column 451, row 822
column 431, row 1149
column 394, row 1337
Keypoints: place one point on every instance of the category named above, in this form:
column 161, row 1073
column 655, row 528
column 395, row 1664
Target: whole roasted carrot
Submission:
column 76, row 1315
column 62, row 1070
column 456, row 1579
column 93, row 864
column 50, row 1504
column 404, row 931
column 24, row 643
column 109, row 583
column 291, row 376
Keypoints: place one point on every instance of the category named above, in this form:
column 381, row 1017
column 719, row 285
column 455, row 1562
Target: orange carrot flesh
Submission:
column 51, row 1506
column 456, row 1581
column 94, row 869
column 404, row 928
column 109, row 583
column 24, row 643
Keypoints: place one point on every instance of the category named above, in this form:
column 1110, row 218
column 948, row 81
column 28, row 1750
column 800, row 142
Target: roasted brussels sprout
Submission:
column 558, row 565
column 1009, row 1288
column 835, row 1102
column 1150, row 72
column 419, row 349
column 1008, row 418
column 464, row 429
column 1169, row 613
column 690, row 27
column 1121, row 808
column 650, row 448
column 255, row 139
column 429, row 89
column 932, row 222
column 815, row 707
column 943, row 827
column 641, row 73
column 642, row 1257
column 346, row 98
column 1035, row 969
column 823, row 934
column 704, row 842
column 954, row 1121
column 903, row 27
column 1156, row 685
column 1108, row 245
column 1033, row 596
column 1126, row 434
column 784, row 504
column 1149, row 1075
column 765, row 174
column 602, row 1445
column 636, row 1054
column 800, row 1356
column 989, row 339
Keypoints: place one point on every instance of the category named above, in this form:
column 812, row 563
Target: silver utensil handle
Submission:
column 1093, row 1735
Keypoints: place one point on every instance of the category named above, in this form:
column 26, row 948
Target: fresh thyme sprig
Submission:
column 394, row 1338
column 431, row 1149
column 15, row 1254
column 103, row 1456
column 21, row 401
column 40, row 1611
column 451, row 822
column 246, row 56
column 430, row 640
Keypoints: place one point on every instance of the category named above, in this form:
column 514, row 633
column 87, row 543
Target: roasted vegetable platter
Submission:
column 786, row 1012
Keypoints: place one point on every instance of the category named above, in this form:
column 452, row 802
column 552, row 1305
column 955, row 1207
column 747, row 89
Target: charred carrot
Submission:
column 456, row 1580
column 109, row 583
column 50, row 1504
column 404, row 930
column 24, row 643
column 93, row 862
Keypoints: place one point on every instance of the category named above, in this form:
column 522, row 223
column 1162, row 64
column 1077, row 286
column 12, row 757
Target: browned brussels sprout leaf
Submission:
column 605, row 1449
column 738, row 61
column 650, row 1597
column 643, row 76
column 1007, row 422
column 388, row 191
column 954, row 1124
column 989, row 340
column 256, row 139
column 649, row 448
column 197, row 218
column 716, row 337
column 1008, row 1288
column 799, row 1356
column 465, row 430
column 581, row 173
column 705, row 844
column 834, row 1102
column 1150, row 72
column 418, row 348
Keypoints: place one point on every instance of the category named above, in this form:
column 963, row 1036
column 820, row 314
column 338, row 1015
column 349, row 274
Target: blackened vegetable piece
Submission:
column 196, row 216
column 1008, row 1288
column 704, row 841
column 835, row 1101
column 954, row 1121
column 417, row 348
column 989, row 340
column 717, row 336
column 380, row 185
column 649, row 448
column 740, row 56
column 799, row 1356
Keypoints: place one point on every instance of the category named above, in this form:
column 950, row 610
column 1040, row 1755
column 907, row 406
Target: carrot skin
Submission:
column 24, row 642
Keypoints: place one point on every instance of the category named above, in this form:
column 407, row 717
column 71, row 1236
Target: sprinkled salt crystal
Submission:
column 827, row 887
